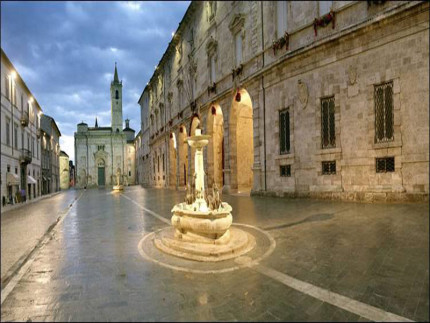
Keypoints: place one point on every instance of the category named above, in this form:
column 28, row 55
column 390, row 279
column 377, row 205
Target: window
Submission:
column 238, row 44
column 16, row 135
column 101, row 147
column 7, row 87
column 324, row 7
column 22, row 140
column 328, row 136
column 22, row 103
column 212, row 68
column 383, row 96
column 158, row 164
column 28, row 141
column 163, row 163
column 116, row 95
column 281, row 18
column 329, row 167
column 32, row 147
column 129, row 173
column 285, row 170
column 16, row 170
column 8, row 131
column 284, row 131
column 37, row 147
column 8, row 168
column 385, row 165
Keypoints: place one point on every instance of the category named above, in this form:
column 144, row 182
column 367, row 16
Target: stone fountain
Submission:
column 202, row 224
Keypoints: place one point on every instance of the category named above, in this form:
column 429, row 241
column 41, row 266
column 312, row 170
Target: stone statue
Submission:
column 118, row 175
column 213, row 200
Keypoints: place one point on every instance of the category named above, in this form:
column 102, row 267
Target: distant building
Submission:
column 64, row 171
column 20, row 137
column 50, row 155
column 103, row 152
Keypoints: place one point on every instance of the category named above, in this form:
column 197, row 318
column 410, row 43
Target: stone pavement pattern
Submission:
column 91, row 270
column 22, row 228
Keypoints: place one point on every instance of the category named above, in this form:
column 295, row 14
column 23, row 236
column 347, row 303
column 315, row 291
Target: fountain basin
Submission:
column 209, row 227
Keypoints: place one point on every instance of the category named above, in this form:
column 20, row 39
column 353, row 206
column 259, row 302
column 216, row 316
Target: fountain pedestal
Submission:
column 200, row 231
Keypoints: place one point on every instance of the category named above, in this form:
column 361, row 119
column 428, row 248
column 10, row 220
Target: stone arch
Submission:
column 215, row 150
column 195, row 122
column 183, row 156
column 241, row 142
column 172, row 160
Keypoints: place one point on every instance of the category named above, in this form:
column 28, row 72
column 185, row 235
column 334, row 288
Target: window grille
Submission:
column 284, row 131
column 385, row 165
column 383, row 96
column 101, row 147
column 285, row 170
column 328, row 135
column 329, row 167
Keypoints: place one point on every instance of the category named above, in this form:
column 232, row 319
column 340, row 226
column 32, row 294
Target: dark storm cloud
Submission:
column 66, row 51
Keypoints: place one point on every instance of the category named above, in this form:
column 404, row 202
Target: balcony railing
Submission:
column 24, row 119
column 25, row 156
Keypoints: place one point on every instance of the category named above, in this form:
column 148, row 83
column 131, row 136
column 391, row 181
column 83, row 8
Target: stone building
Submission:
column 325, row 99
column 102, row 152
column 64, row 171
column 50, row 155
column 20, row 137
column 143, row 151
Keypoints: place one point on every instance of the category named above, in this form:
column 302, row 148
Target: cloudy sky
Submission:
column 66, row 54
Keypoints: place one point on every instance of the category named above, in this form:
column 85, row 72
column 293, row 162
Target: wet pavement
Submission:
column 22, row 228
column 328, row 255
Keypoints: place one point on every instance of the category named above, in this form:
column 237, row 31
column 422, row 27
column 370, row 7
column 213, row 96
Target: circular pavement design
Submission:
column 265, row 244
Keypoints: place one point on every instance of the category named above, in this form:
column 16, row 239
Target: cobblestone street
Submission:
column 332, row 261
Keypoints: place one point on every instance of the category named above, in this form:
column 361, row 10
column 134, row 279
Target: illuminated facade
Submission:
column 325, row 99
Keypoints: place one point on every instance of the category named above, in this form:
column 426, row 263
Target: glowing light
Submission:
column 31, row 100
column 173, row 33
column 13, row 75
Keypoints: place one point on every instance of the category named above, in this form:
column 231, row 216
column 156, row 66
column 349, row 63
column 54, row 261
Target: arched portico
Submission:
column 172, row 160
column 241, row 142
column 215, row 150
column 183, row 156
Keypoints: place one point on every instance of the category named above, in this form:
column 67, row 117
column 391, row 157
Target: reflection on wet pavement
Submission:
column 91, row 270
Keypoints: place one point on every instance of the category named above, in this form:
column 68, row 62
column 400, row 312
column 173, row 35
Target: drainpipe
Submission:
column 264, row 97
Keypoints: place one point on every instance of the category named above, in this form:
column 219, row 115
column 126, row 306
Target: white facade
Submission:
column 20, row 143
column 103, row 152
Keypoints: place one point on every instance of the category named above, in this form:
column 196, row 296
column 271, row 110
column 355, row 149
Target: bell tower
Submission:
column 116, row 103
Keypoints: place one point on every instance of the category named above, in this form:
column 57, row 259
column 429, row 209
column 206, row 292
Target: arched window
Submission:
column 116, row 95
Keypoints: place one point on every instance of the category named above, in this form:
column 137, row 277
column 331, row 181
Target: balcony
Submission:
column 24, row 119
column 38, row 133
column 25, row 156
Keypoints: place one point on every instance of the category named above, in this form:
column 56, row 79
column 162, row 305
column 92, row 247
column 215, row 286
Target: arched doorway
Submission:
column 241, row 142
column 215, row 151
column 183, row 156
column 195, row 122
column 172, row 160
column 101, row 181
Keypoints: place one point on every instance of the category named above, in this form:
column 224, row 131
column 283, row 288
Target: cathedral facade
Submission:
column 105, row 155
